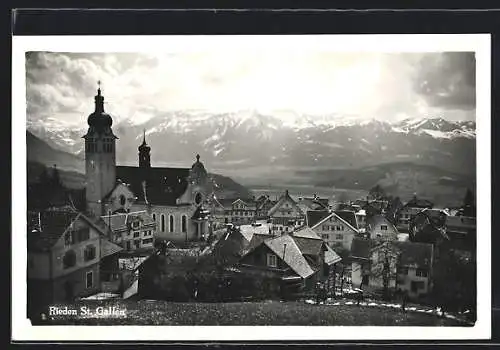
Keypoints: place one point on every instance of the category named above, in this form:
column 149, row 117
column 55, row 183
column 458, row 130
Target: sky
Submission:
column 137, row 86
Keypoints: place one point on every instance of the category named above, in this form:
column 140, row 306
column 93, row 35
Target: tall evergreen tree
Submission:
column 469, row 207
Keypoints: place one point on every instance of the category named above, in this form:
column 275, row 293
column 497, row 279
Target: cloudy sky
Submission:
column 61, row 86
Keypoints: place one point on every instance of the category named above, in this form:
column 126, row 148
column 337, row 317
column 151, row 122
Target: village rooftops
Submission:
column 419, row 203
column 120, row 221
column 460, row 223
column 260, row 228
column 306, row 232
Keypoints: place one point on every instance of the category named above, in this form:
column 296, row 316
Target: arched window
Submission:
column 184, row 223
column 69, row 259
column 122, row 200
column 154, row 217
column 162, row 223
column 171, row 223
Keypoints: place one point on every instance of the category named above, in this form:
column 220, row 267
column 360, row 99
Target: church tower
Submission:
column 144, row 154
column 100, row 156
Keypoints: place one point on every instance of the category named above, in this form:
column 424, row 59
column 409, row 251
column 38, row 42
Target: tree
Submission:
column 377, row 192
column 386, row 266
column 469, row 207
column 393, row 209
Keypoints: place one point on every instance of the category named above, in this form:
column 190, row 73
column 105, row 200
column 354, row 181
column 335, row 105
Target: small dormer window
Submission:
column 198, row 198
column 122, row 200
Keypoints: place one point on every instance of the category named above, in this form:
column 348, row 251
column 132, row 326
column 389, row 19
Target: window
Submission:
column 154, row 217
column 128, row 245
column 421, row 273
column 89, row 253
column 198, row 198
column 184, row 223
column 136, row 234
column 147, row 241
column 137, row 243
column 69, row 259
column 339, row 236
column 324, row 228
column 171, row 219
column 272, row 260
column 122, row 200
column 417, row 285
column 89, row 279
column 324, row 236
column 135, row 224
column 162, row 223
column 383, row 227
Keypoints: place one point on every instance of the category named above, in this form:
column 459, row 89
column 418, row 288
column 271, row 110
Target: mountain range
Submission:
column 41, row 155
column 256, row 148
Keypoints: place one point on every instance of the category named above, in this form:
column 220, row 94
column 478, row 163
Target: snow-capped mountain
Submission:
column 253, row 140
column 437, row 128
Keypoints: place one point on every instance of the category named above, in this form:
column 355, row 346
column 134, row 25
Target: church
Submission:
column 176, row 198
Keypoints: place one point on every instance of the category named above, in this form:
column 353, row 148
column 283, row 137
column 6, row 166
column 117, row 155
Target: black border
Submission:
column 205, row 20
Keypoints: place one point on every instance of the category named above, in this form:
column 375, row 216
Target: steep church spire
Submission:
column 144, row 153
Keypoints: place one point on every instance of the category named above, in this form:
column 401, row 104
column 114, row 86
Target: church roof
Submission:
column 163, row 186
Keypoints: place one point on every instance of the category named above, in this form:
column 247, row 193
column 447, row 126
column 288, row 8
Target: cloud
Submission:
column 448, row 80
column 62, row 85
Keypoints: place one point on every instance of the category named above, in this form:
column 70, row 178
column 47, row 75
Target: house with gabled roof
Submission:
column 299, row 260
column 243, row 211
column 337, row 228
column 378, row 227
column 263, row 205
column 409, row 267
column 69, row 256
column 286, row 214
column 409, row 211
column 133, row 231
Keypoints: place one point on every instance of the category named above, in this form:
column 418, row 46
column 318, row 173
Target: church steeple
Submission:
column 144, row 153
column 99, row 120
column 100, row 156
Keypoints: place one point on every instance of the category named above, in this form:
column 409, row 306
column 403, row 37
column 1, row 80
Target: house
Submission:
column 428, row 226
column 337, row 228
column 243, row 211
column 361, row 219
column 408, row 212
column 132, row 231
column 312, row 203
column 263, row 205
column 286, row 213
column 69, row 256
column 379, row 227
column 407, row 266
column 299, row 262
